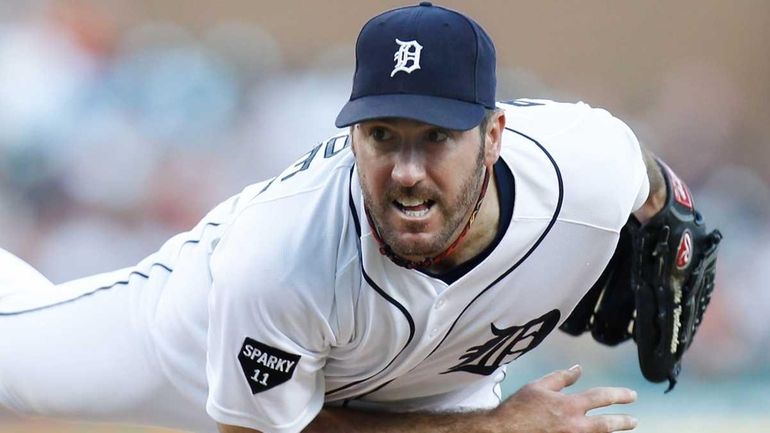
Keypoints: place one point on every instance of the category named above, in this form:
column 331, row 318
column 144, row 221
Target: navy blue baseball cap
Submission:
column 425, row 63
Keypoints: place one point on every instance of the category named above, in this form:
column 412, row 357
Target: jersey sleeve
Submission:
column 487, row 394
column 640, row 182
column 604, row 174
column 268, row 337
column 627, row 177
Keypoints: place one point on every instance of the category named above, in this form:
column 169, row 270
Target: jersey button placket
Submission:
column 437, row 305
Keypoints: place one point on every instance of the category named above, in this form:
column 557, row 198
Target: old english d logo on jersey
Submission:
column 506, row 345
column 264, row 366
column 407, row 57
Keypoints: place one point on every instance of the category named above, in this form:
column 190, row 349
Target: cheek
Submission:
column 374, row 178
column 449, row 175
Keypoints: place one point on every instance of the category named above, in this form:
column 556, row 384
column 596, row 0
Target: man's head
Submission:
column 421, row 182
column 424, row 126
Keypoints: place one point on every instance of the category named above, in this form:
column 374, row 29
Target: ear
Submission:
column 494, row 137
column 351, row 129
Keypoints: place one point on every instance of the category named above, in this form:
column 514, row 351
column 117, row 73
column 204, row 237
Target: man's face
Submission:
column 420, row 182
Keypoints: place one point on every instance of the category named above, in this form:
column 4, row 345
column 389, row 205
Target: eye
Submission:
column 437, row 135
column 379, row 133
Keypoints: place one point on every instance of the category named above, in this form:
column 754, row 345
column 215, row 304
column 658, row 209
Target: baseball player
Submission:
column 397, row 267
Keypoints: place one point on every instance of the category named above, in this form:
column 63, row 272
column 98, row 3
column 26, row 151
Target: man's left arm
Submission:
column 659, row 281
column 657, row 196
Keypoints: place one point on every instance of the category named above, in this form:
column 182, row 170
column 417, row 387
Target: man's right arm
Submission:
column 539, row 406
column 234, row 429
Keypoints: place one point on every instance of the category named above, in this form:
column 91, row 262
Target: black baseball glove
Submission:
column 656, row 287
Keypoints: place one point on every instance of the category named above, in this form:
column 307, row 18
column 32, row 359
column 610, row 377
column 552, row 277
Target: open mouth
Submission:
column 414, row 208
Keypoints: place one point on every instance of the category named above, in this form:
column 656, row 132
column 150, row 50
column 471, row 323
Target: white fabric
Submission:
column 356, row 336
column 290, row 266
column 17, row 274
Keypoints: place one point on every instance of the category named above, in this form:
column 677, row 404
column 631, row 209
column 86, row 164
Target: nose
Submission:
column 409, row 167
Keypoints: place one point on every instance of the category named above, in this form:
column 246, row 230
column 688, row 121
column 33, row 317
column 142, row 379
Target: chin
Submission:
column 415, row 246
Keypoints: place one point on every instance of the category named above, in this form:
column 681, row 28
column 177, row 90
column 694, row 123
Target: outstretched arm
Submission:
column 539, row 406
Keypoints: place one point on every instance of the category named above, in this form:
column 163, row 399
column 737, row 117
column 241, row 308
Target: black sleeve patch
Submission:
column 264, row 366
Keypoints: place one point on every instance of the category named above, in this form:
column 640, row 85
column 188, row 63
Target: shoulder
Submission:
column 547, row 119
column 287, row 242
column 315, row 170
column 597, row 156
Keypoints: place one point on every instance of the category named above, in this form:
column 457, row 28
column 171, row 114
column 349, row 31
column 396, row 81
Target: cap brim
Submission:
column 443, row 112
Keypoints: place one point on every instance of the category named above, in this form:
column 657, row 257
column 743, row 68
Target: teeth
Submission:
column 410, row 202
column 415, row 213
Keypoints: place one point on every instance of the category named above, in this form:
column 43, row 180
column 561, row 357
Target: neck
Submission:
column 480, row 235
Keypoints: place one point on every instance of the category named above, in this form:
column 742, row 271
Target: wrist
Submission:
column 654, row 204
column 656, row 198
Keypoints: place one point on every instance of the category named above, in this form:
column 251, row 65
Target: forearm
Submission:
column 539, row 406
column 343, row 420
column 657, row 196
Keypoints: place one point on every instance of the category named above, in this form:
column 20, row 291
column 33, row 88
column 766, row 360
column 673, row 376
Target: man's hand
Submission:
column 540, row 406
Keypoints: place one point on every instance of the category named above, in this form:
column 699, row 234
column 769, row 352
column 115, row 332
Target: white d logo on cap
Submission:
column 408, row 51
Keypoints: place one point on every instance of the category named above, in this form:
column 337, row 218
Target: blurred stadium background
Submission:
column 122, row 122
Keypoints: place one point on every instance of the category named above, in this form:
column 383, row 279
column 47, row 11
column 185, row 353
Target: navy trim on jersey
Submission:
column 537, row 243
column 506, row 191
column 531, row 250
column 352, row 205
column 379, row 290
column 117, row 283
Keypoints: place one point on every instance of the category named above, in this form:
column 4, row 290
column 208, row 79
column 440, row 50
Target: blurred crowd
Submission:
column 109, row 143
column 112, row 140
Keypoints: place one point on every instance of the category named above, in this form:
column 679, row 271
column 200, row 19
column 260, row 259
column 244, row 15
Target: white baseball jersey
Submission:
column 279, row 302
column 305, row 310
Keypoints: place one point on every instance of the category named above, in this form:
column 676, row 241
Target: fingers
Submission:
column 560, row 379
column 595, row 398
column 605, row 396
column 612, row 423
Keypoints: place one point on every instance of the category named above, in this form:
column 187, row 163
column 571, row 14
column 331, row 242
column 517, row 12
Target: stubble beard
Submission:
column 455, row 212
